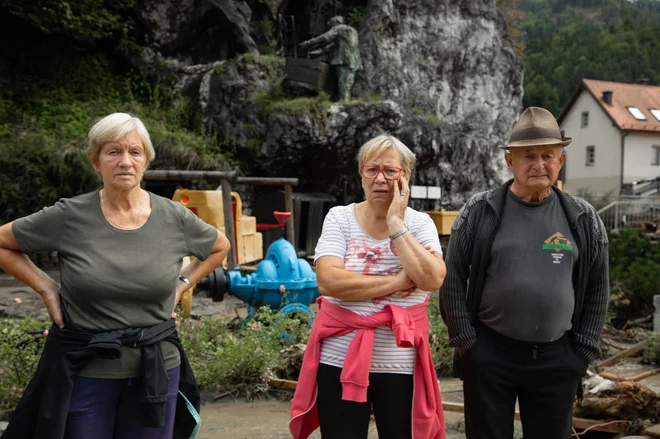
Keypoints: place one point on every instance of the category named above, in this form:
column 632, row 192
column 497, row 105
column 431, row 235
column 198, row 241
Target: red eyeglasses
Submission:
column 389, row 172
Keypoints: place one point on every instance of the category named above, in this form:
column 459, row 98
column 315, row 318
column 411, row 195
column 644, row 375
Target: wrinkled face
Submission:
column 122, row 162
column 535, row 168
column 380, row 187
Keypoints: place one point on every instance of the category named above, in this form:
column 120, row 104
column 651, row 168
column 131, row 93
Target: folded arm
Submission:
column 335, row 281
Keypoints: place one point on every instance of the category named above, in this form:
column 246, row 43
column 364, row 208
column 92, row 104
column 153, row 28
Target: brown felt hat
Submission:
column 536, row 126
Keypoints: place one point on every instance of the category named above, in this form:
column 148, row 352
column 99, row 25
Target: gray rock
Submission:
column 196, row 31
column 447, row 80
column 453, row 60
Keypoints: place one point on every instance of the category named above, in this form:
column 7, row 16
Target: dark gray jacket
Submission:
column 468, row 257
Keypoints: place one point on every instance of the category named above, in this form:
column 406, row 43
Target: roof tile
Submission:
column 644, row 97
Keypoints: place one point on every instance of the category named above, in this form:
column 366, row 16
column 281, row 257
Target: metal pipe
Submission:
column 232, row 259
column 267, row 181
column 176, row 175
column 623, row 157
column 288, row 206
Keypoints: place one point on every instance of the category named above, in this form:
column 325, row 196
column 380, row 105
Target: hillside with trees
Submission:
column 567, row 40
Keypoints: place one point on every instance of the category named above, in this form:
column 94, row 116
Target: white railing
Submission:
column 630, row 211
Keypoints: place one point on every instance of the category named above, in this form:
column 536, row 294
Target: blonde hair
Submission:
column 378, row 145
column 113, row 127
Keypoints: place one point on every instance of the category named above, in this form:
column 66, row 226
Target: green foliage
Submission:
column 238, row 362
column 265, row 33
column 267, row 61
column 363, row 100
column 219, row 68
column 652, row 349
column 273, row 93
column 21, row 342
column 314, row 106
column 514, row 17
column 635, row 271
column 79, row 19
column 567, row 41
column 431, row 119
column 254, row 143
column 355, row 14
column 275, row 101
column 43, row 155
column 443, row 355
column 36, row 173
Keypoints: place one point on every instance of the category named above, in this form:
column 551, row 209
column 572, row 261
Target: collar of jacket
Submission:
column 572, row 209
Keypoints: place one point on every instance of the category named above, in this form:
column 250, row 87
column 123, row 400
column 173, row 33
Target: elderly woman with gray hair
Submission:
column 113, row 366
column 376, row 263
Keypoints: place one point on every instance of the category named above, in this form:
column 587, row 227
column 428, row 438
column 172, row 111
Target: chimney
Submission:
column 607, row 97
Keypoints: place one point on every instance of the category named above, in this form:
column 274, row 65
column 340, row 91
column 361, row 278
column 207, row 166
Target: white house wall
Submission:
column 604, row 176
column 639, row 156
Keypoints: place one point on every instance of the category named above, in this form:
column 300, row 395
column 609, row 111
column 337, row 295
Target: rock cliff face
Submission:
column 440, row 75
column 452, row 59
column 196, row 31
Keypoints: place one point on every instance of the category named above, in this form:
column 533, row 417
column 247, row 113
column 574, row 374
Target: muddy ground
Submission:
column 226, row 418
column 231, row 419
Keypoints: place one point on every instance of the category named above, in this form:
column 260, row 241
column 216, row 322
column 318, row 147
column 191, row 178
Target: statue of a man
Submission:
column 343, row 44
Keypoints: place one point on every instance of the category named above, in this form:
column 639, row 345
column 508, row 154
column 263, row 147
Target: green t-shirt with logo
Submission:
column 528, row 290
column 114, row 279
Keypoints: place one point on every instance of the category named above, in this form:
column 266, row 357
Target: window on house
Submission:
column 656, row 155
column 585, row 119
column 637, row 114
column 655, row 112
column 591, row 155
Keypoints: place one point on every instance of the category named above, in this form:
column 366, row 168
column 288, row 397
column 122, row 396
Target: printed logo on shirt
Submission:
column 557, row 243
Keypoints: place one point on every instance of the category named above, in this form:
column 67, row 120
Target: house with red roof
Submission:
column 616, row 136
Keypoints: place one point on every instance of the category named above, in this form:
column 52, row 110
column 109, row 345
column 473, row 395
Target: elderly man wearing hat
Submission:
column 526, row 291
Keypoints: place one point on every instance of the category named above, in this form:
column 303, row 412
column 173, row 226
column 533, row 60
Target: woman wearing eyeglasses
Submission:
column 376, row 262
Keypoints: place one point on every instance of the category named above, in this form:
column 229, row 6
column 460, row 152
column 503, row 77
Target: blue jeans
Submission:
column 110, row 409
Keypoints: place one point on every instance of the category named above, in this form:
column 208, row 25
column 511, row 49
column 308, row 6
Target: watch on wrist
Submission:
column 186, row 281
column 395, row 235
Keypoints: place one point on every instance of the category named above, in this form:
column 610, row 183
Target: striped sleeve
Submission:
column 426, row 233
column 453, row 293
column 333, row 240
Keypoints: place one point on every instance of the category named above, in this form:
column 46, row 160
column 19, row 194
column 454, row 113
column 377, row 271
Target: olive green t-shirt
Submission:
column 115, row 279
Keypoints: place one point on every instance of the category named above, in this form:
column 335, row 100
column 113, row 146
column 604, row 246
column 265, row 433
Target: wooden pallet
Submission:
column 578, row 423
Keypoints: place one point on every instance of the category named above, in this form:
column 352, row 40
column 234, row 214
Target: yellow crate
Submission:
column 252, row 246
column 443, row 220
column 249, row 224
column 207, row 205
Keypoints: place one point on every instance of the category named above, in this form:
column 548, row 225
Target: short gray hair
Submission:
column 113, row 127
column 380, row 144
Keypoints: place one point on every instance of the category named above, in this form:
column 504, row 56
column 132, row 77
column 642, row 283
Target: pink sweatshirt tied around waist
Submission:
column 411, row 329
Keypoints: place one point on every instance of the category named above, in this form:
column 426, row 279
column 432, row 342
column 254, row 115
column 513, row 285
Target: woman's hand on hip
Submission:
column 50, row 294
column 398, row 205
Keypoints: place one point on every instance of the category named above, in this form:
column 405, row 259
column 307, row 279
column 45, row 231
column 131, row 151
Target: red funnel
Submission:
column 282, row 217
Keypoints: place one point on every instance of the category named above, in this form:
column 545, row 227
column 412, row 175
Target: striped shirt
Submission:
column 344, row 238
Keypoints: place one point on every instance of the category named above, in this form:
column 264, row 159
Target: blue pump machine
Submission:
column 282, row 281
